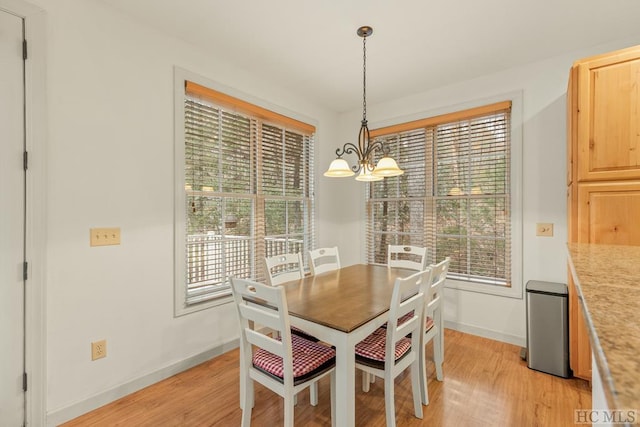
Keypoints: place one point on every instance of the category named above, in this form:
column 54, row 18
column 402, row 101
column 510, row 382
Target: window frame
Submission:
column 516, row 179
column 181, row 76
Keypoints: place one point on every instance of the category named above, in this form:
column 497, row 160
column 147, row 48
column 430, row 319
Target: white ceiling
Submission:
column 311, row 48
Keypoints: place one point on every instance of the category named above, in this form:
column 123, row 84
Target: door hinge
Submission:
column 25, row 160
column 25, row 267
column 24, row 50
column 24, row 381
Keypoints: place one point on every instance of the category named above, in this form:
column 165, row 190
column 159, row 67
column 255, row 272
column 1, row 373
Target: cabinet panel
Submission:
column 609, row 213
column 608, row 138
column 572, row 212
column 579, row 346
column 572, row 120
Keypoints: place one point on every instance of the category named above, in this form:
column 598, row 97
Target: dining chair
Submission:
column 324, row 259
column 284, row 268
column 285, row 365
column 402, row 256
column 433, row 325
column 405, row 256
column 388, row 352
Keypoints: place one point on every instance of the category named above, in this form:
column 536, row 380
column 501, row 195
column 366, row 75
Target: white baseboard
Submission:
column 487, row 333
column 70, row 412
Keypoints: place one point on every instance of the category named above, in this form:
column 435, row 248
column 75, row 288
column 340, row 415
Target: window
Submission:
column 245, row 192
column 455, row 195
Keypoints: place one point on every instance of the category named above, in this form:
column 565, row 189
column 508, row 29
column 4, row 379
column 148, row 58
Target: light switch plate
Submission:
column 104, row 236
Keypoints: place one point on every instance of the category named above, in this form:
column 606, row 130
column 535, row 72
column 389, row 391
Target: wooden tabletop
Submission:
column 344, row 299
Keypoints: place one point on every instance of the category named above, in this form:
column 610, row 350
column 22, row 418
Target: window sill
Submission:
column 180, row 311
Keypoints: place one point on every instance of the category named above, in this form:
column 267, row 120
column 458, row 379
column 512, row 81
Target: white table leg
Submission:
column 345, row 382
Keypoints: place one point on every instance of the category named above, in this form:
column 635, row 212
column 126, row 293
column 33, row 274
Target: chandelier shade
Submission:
column 366, row 175
column 387, row 167
column 365, row 149
column 338, row 168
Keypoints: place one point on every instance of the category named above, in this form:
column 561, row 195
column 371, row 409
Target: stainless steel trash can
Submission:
column 548, row 327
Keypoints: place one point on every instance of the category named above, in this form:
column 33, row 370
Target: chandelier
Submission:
column 365, row 149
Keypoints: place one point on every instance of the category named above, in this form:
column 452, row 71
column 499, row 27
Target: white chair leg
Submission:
column 247, row 401
column 366, row 381
column 441, row 337
column 313, row 393
column 424, row 393
column 437, row 356
column 288, row 408
column 389, row 401
column 415, row 388
column 246, row 389
column 333, row 398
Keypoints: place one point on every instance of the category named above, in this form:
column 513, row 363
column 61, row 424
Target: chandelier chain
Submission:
column 364, row 79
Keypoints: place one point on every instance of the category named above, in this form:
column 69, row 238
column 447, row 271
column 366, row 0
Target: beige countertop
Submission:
column 607, row 278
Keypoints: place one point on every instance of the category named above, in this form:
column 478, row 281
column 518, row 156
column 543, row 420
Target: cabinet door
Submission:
column 609, row 212
column 609, row 116
column 572, row 123
column 579, row 345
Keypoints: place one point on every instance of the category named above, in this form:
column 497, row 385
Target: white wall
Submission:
column 109, row 163
column 543, row 85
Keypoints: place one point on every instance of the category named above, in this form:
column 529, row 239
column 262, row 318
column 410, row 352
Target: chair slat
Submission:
column 406, row 256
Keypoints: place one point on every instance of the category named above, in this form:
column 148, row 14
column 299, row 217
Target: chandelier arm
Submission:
column 374, row 146
column 349, row 148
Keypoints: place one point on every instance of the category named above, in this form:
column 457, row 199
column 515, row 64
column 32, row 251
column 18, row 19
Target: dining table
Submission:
column 342, row 307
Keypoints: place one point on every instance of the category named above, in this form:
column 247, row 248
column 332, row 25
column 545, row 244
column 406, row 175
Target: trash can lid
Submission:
column 547, row 287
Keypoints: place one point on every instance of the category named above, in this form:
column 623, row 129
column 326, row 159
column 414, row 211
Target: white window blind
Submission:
column 454, row 197
column 248, row 192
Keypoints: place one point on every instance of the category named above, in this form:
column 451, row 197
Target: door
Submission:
column 12, row 224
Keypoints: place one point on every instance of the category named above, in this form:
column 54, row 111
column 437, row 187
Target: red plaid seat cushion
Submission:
column 303, row 334
column 307, row 357
column 373, row 346
column 404, row 318
column 429, row 322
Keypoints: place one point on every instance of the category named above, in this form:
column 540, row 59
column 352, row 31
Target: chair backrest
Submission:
column 266, row 305
column 408, row 296
column 324, row 259
column 405, row 256
column 437, row 285
column 283, row 268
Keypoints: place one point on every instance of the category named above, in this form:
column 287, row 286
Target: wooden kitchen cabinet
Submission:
column 603, row 168
column 608, row 116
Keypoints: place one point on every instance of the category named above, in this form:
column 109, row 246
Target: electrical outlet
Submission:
column 544, row 229
column 104, row 236
column 98, row 349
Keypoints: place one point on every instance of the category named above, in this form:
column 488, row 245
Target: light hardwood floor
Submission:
column 486, row 384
